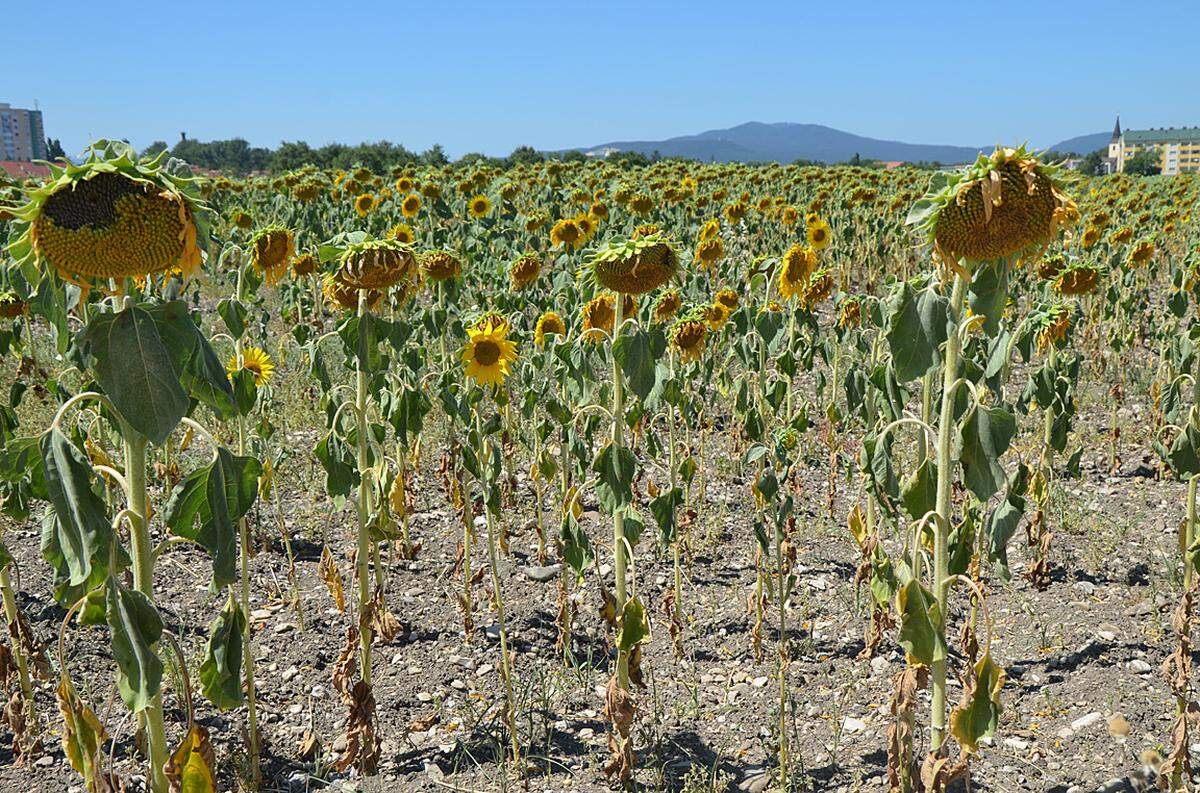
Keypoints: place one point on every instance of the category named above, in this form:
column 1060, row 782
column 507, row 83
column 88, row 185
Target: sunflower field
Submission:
column 590, row 475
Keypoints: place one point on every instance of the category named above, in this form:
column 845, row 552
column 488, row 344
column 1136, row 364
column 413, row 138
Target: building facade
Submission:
column 1178, row 149
column 22, row 137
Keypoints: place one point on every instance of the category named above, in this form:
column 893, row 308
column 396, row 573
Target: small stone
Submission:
column 284, row 627
column 424, row 696
column 542, row 574
column 1016, row 743
column 760, row 681
column 1083, row 722
column 1085, row 588
column 1118, row 726
column 1138, row 666
column 586, row 734
column 852, row 725
column 289, row 674
column 44, row 761
column 879, row 665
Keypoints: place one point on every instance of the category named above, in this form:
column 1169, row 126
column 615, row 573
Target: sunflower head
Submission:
column 688, row 335
column 524, row 271
column 364, row 204
column 376, row 264
column 1142, row 252
column 439, row 265
column 819, row 235
column 1078, row 279
column 1051, row 265
column 795, row 269
column 820, row 286
column 850, row 315
column 401, row 232
column 633, row 267
column 271, row 252
column 253, row 360
column 716, row 315
column 346, row 296
column 114, row 216
column 11, row 305
column 411, row 205
column 305, row 265
column 709, row 251
column 549, row 323
column 1005, row 205
column 480, row 206
column 242, row 219
column 1054, row 326
column 488, row 353
column 566, row 233
column 306, row 192
column 727, row 298
column 667, row 305
column 599, row 315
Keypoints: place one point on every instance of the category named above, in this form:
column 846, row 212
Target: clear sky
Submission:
column 489, row 76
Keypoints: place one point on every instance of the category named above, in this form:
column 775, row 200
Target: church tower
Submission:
column 1115, row 158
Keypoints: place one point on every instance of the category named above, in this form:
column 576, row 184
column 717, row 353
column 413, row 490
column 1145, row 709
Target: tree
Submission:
column 54, row 149
column 154, row 148
column 1093, row 163
column 1144, row 163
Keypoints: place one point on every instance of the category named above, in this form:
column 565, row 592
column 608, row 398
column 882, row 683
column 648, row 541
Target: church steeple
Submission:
column 1117, row 129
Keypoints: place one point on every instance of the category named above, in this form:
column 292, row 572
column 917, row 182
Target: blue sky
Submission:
column 491, row 76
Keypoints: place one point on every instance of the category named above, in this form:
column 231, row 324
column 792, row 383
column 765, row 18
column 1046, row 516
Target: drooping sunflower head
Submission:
column 254, row 360
column 795, row 269
column 850, row 314
column 1142, row 252
column 1054, row 326
column 727, row 298
column 493, row 319
column 549, row 323
column 11, row 305
column 376, row 264
column 439, row 265
column 633, row 267
column 242, row 219
column 346, row 296
column 667, row 305
column 305, row 265
column 789, row 216
column 1078, row 279
column 307, row 191
column 271, row 252
column 709, row 251
column 1051, row 265
column 689, row 334
column 488, row 354
column 1121, row 236
column 524, row 271
column 710, row 229
column 114, row 216
column 1006, row 205
column 1091, row 235
column 599, row 315
column 645, row 230
column 820, row 286
column 566, row 233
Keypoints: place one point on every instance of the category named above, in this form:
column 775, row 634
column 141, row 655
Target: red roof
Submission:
column 23, row 170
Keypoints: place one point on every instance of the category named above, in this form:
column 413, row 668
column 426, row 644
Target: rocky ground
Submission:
column 1085, row 699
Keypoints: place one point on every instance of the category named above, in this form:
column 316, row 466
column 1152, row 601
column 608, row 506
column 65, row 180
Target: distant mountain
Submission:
column 1084, row 144
column 785, row 142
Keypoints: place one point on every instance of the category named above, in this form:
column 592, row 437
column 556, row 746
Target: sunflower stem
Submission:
column 364, row 545
column 618, row 441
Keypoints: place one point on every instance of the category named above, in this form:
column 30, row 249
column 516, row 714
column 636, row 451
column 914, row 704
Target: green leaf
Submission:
column 233, row 314
column 615, row 468
column 134, row 369
column 919, row 624
column 1184, row 456
column 341, row 473
column 982, row 713
column 221, row 670
column 917, row 327
column 632, row 351
column 1002, row 522
column 664, row 509
column 982, row 438
column 82, row 529
column 216, row 496
column 988, row 293
column 136, row 628
column 634, row 627
column 200, row 371
column 577, row 549
column 920, row 490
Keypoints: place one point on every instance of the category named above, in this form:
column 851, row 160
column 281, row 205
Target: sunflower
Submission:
column 566, row 233
column 440, row 265
column 493, row 318
column 242, row 219
column 850, row 315
column 1121, row 236
column 818, row 235
column 1050, row 266
column 304, row 265
column 599, row 314
column 587, row 227
column 272, row 250
column 667, row 305
column 1005, row 205
column 488, row 354
column 548, row 323
column 819, row 287
column 363, row 204
column 710, row 229
column 1142, row 252
column 633, row 267
column 405, row 184
column 727, row 298
column 735, row 212
column 1054, row 327
column 411, row 205
column 401, row 232
column 795, row 269
column 480, row 206
column 346, row 296
column 641, row 204
column 306, row 192
column 709, row 251
column 254, row 360
column 1091, row 235
column 376, row 264
column 789, row 216
column 11, row 305
column 716, row 315
column 1080, row 279
column 688, row 336
column 524, row 271
column 114, row 216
